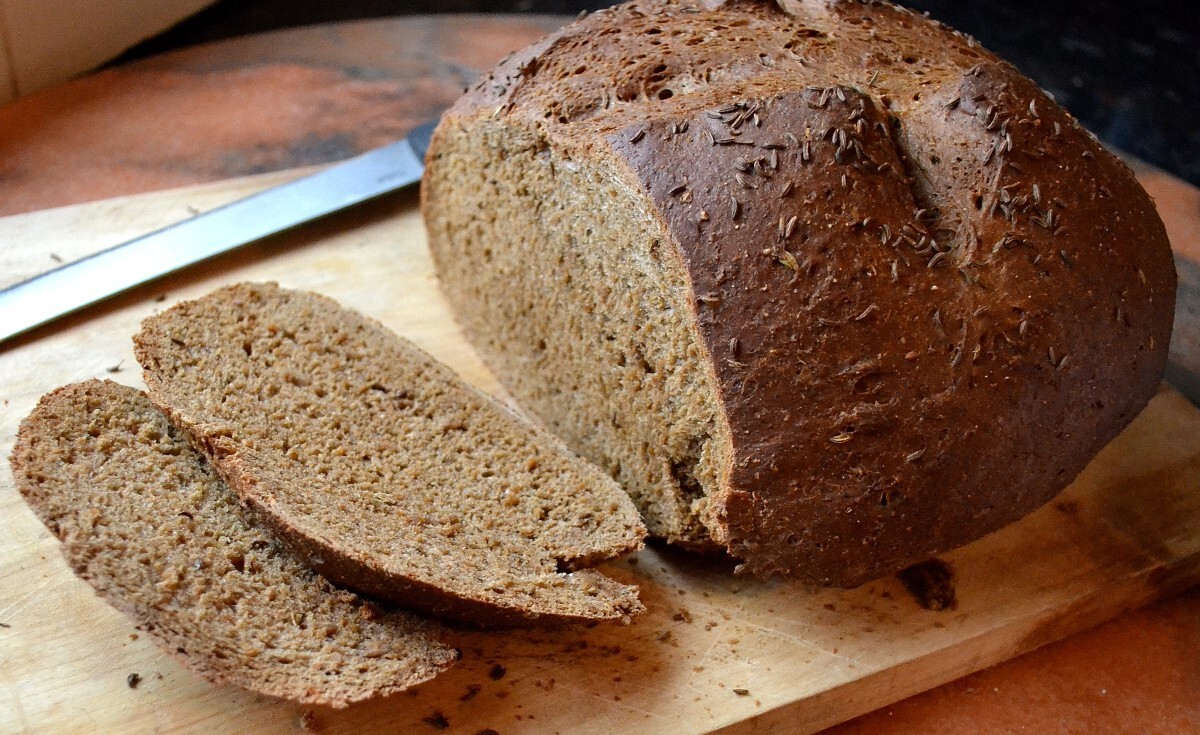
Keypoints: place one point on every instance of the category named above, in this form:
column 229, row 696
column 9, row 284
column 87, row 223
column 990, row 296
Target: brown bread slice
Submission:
column 144, row 519
column 387, row 472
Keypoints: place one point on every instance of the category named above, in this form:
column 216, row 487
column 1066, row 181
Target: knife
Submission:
column 75, row 285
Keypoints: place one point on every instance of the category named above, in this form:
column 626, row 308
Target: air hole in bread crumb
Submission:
column 684, row 473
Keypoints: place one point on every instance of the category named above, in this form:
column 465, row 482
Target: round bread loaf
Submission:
column 825, row 284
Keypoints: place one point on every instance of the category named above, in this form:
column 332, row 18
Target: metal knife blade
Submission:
column 86, row 281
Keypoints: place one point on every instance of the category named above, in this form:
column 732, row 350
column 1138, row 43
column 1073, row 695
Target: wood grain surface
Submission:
column 714, row 651
column 313, row 95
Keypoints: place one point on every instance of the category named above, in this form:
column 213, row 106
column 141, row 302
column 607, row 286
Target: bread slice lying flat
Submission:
column 144, row 519
column 378, row 464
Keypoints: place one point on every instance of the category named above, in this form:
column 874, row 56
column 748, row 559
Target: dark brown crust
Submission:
column 888, row 399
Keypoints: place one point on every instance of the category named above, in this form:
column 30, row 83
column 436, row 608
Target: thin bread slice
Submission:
column 378, row 464
column 144, row 519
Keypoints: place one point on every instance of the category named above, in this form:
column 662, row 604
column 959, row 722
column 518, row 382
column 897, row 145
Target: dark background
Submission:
column 1129, row 70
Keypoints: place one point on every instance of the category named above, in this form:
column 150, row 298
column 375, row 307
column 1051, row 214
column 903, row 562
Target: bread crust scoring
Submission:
column 928, row 296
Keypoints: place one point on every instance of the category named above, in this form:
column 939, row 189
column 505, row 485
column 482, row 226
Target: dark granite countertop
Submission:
column 1128, row 70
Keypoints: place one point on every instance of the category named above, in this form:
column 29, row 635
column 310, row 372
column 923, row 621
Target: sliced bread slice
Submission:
column 379, row 465
column 144, row 519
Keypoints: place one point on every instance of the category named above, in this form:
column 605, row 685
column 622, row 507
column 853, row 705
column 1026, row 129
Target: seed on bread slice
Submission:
column 146, row 521
column 379, row 465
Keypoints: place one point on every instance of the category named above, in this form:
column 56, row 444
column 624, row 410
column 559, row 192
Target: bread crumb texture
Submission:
column 388, row 474
column 144, row 519
column 825, row 284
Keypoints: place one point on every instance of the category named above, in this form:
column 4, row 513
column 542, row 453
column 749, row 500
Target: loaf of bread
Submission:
column 385, row 471
column 821, row 283
column 144, row 519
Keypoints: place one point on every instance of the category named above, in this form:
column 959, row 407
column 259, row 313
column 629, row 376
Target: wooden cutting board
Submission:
column 715, row 652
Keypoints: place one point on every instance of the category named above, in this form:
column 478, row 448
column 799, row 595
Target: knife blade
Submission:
column 71, row 287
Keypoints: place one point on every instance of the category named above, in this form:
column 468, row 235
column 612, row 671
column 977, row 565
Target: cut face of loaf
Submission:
column 384, row 470
column 830, row 286
column 144, row 519
column 570, row 286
